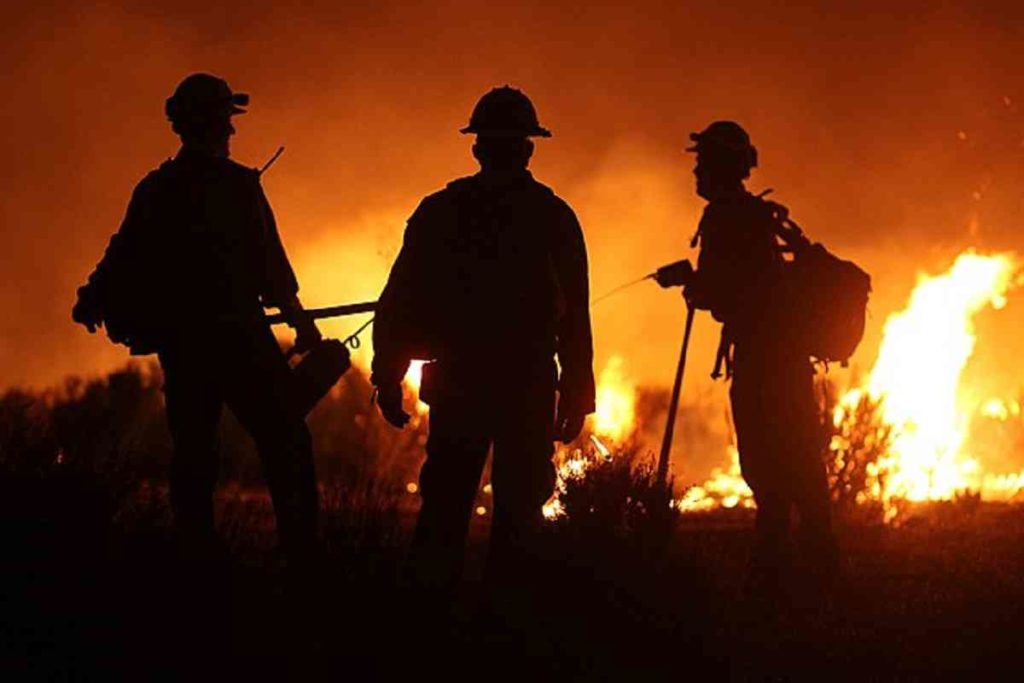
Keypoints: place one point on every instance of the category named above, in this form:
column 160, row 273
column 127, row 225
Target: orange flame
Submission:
column 924, row 350
column 615, row 417
column 725, row 488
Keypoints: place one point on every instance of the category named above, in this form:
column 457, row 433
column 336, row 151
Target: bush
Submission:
column 858, row 437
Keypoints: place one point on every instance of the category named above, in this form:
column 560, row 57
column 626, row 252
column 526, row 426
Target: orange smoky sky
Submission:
column 892, row 130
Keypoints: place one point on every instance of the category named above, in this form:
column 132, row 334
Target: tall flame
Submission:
column 924, row 350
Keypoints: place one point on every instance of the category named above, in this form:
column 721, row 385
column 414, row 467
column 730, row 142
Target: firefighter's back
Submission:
column 495, row 291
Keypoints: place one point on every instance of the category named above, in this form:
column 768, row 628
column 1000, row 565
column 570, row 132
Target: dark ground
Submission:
column 93, row 587
column 938, row 598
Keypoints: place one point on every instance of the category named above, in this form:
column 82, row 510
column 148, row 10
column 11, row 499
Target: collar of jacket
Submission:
column 503, row 178
column 196, row 154
column 736, row 196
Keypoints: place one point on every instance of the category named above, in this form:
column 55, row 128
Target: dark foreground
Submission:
column 85, row 595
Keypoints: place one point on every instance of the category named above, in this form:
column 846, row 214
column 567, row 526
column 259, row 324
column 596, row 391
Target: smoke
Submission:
column 893, row 133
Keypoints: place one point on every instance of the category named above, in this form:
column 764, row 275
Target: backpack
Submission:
column 824, row 298
column 135, row 272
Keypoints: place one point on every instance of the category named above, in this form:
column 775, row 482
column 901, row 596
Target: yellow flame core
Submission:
column 413, row 379
column 615, row 417
column 998, row 409
column 924, row 350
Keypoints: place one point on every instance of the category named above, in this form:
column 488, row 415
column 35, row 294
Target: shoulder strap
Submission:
column 784, row 227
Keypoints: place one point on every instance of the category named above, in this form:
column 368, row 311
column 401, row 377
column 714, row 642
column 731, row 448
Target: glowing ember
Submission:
column 573, row 464
column 553, row 509
column 725, row 488
column 924, row 350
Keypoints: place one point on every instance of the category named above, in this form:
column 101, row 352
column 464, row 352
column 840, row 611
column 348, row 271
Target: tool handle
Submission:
column 328, row 312
column 673, row 404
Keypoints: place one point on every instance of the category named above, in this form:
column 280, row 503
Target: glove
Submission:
column 86, row 310
column 568, row 421
column 674, row 274
column 307, row 336
column 389, row 400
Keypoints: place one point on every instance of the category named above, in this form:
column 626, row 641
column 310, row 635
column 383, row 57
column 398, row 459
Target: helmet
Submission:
column 725, row 137
column 507, row 112
column 201, row 96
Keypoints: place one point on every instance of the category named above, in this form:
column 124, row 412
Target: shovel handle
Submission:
column 673, row 404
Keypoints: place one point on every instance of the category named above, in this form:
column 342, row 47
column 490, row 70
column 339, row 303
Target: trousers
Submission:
column 779, row 437
column 514, row 417
column 243, row 368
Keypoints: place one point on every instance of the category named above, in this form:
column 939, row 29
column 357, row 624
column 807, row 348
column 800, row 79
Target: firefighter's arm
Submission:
column 707, row 286
column 280, row 286
column 88, row 308
column 575, row 346
column 396, row 309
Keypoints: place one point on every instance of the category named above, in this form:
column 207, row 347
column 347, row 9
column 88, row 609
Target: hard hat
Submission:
column 202, row 95
column 505, row 111
column 724, row 136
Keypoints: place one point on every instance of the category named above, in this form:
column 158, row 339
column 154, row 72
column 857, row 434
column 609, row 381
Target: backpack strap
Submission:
column 784, row 227
column 723, row 356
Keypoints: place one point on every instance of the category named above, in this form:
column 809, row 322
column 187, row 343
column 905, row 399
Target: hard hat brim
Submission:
column 538, row 132
column 239, row 100
column 695, row 138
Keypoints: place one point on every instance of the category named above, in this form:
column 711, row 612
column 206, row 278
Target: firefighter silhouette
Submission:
column 187, row 276
column 490, row 286
column 739, row 279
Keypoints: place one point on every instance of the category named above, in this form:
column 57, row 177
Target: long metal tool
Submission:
column 673, row 405
column 328, row 312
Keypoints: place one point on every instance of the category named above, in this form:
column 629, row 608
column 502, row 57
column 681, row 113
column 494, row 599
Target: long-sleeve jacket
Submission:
column 739, row 264
column 741, row 279
column 492, row 274
column 198, row 244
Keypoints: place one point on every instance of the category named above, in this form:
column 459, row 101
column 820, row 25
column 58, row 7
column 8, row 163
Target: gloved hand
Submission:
column 674, row 274
column 86, row 310
column 307, row 335
column 568, row 421
column 389, row 400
